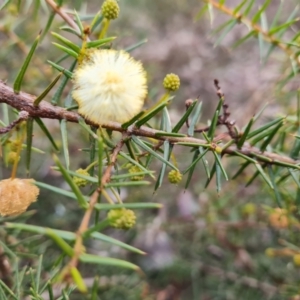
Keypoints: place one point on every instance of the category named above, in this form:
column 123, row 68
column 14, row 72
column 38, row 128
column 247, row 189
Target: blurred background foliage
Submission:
column 236, row 244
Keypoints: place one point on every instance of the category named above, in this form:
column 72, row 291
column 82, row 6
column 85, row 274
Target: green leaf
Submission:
column 257, row 16
column 64, row 136
column 265, row 127
column 127, row 183
column 62, row 86
column 29, row 131
column 136, row 163
column 151, row 112
column 20, row 76
column 264, row 175
column 248, row 8
column 219, row 163
column 213, row 125
column 48, row 24
column 67, row 50
column 268, row 140
column 57, row 190
column 212, row 172
column 201, row 12
column 78, row 280
column 105, row 206
column 38, row 272
column 60, row 242
column 181, row 122
column 98, row 43
column 81, row 199
column 135, row 46
column 4, row 4
column 104, row 238
column 38, row 100
column 277, row 15
column 61, row 69
column 195, row 118
column 273, row 181
column 195, row 160
column 296, row 148
column 78, row 22
column 243, row 39
column 240, row 6
column 282, row 26
column 226, row 30
column 218, row 177
column 152, row 152
column 70, row 30
column 66, row 42
column 243, row 138
column 170, row 134
column 257, row 116
column 107, row 261
column 262, row 44
column 167, row 155
column 8, row 290
column 191, row 170
column 241, row 169
column 132, row 120
column 46, row 132
column 98, row 18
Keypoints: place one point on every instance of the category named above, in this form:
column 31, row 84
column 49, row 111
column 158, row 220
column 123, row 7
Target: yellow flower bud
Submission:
column 121, row 218
column 81, row 182
column 296, row 259
column 110, row 9
column 135, row 169
column 171, row 82
column 270, row 252
column 12, row 157
column 174, row 176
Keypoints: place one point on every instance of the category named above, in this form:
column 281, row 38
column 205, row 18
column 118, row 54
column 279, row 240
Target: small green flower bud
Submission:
column 171, row 82
column 110, row 9
column 174, row 176
column 12, row 157
column 135, row 169
column 121, row 218
column 80, row 181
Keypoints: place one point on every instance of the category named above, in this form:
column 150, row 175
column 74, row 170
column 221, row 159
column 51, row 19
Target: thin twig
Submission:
column 23, row 115
column 63, row 15
column 78, row 247
column 270, row 38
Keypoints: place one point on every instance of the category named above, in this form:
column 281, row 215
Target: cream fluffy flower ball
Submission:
column 109, row 85
column 16, row 195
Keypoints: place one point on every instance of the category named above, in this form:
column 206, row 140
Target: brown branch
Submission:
column 24, row 102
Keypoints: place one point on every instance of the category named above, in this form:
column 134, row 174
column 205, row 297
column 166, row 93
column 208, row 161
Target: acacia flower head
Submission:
column 16, row 195
column 109, row 85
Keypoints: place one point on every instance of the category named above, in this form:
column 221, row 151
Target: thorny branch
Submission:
column 24, row 102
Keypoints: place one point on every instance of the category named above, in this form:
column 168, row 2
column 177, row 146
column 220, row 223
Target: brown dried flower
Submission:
column 16, row 195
